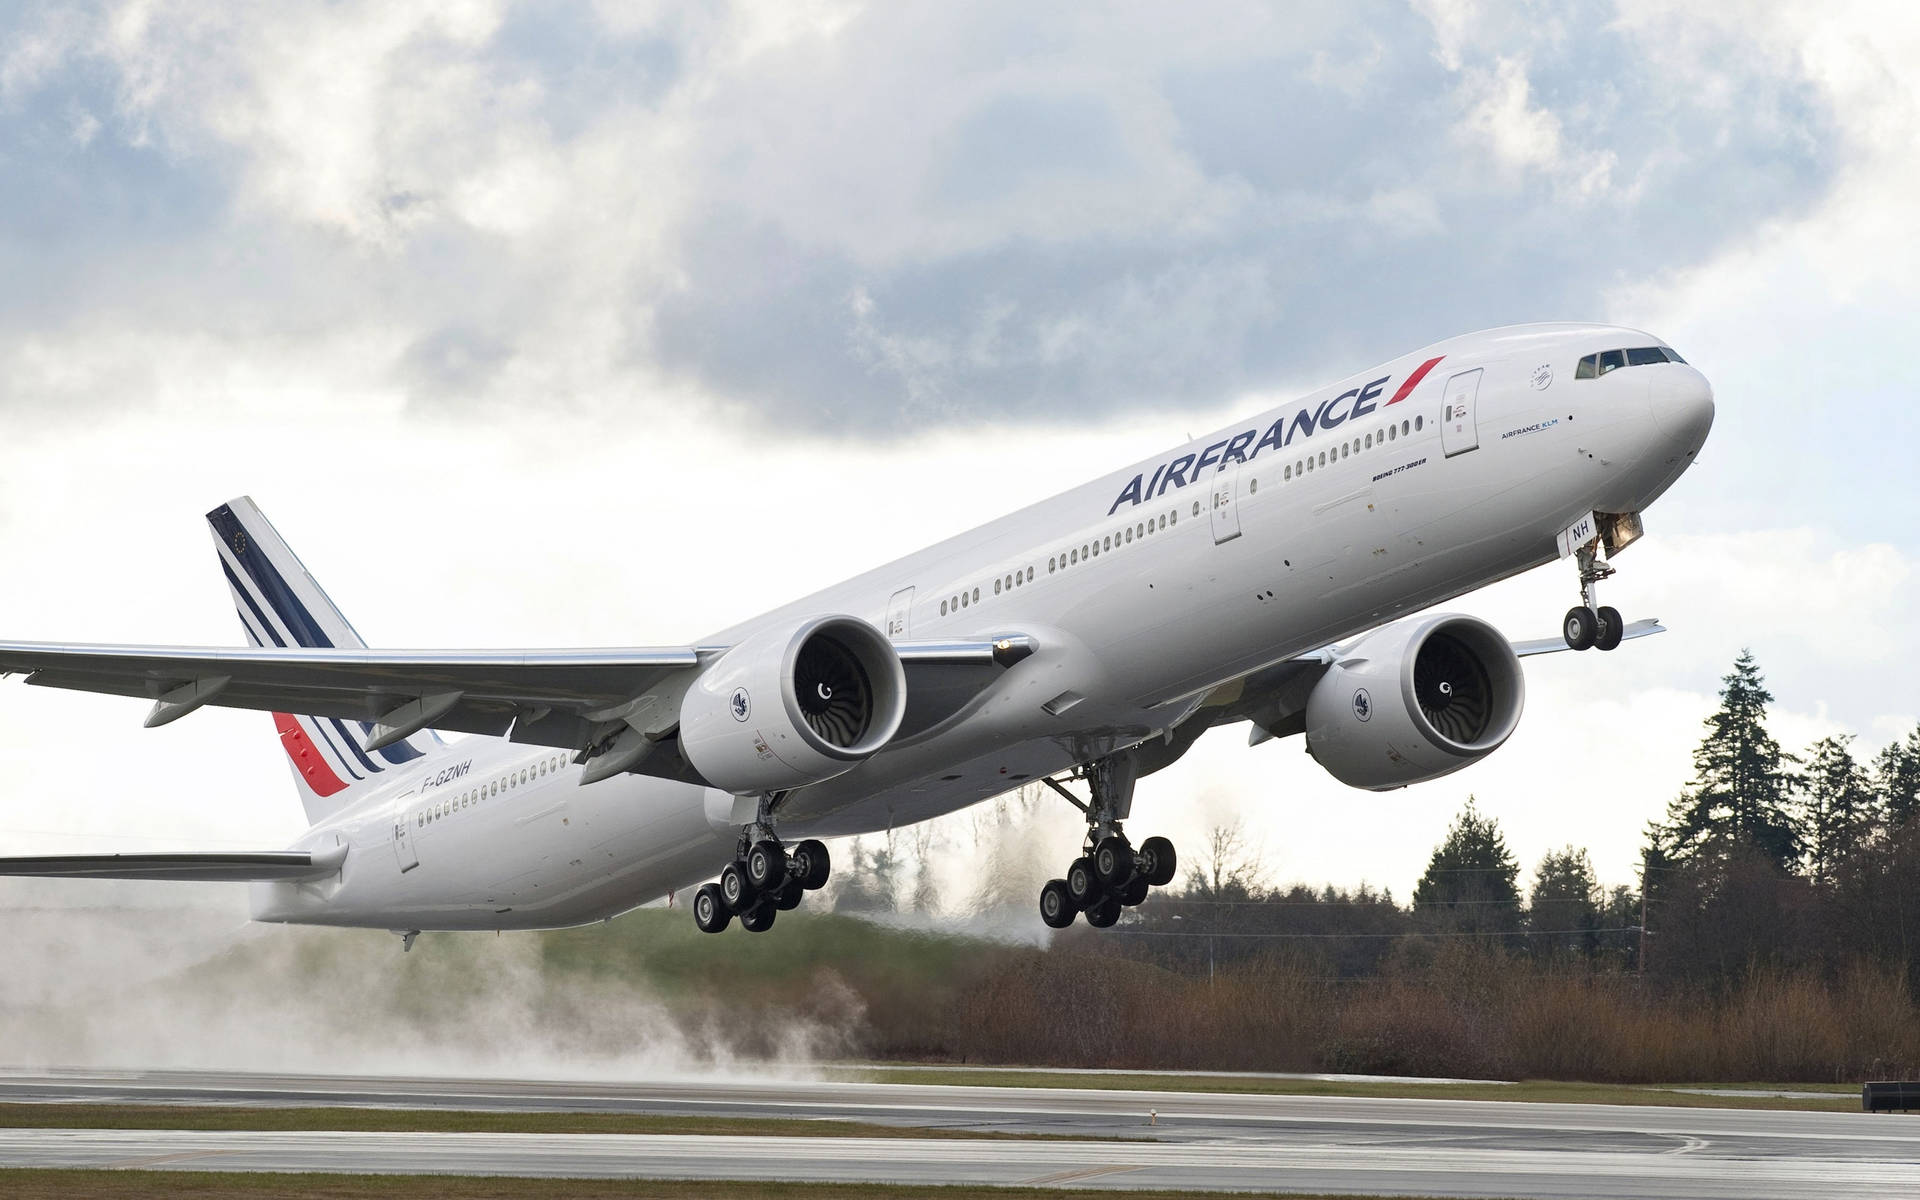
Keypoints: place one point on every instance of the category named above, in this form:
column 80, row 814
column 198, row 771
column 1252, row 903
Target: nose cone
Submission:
column 1682, row 406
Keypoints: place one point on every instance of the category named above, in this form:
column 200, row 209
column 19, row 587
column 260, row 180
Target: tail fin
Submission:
column 280, row 604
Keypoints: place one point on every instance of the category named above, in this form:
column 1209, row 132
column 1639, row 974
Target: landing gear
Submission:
column 1591, row 625
column 1110, row 875
column 766, row 879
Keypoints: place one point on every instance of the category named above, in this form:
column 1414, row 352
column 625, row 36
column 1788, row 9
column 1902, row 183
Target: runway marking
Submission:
column 135, row 1164
column 1083, row 1173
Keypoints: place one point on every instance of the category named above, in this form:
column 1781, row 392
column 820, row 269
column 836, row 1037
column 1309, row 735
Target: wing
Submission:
column 225, row 867
column 568, row 698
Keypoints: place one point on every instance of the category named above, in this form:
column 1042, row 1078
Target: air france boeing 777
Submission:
column 1264, row 573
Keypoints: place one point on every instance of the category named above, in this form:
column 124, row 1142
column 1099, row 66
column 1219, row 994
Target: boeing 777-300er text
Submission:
column 1262, row 574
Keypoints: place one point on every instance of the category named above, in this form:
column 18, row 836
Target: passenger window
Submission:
column 1418, row 422
column 943, row 608
column 1050, row 567
column 976, row 595
column 1323, row 458
column 1143, row 530
column 1106, row 543
column 1287, row 473
column 1587, row 368
column 1129, row 535
column 1029, row 574
column 1253, row 485
column 1390, row 430
column 1196, row 508
column 1406, row 427
column 1612, row 360
column 996, row 587
column 1367, row 442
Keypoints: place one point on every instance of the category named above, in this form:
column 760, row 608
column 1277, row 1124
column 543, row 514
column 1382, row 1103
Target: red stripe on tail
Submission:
column 1413, row 380
column 314, row 771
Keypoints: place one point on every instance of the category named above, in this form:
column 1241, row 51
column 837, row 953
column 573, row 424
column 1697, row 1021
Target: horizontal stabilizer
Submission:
column 222, row 867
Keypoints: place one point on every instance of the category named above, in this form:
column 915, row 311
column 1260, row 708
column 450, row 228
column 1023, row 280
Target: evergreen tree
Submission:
column 1472, row 880
column 1742, row 782
column 1839, row 809
column 1563, row 908
column 1896, row 777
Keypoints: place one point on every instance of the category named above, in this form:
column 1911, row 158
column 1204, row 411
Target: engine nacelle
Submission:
column 1415, row 701
column 787, row 707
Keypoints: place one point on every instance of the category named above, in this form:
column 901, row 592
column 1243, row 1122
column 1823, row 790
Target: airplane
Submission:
column 1276, row 572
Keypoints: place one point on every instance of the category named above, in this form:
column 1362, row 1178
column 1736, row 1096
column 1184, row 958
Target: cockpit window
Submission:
column 1595, row 365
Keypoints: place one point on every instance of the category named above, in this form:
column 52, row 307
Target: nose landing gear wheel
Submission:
column 1611, row 627
column 710, row 911
column 1582, row 628
column 1057, row 908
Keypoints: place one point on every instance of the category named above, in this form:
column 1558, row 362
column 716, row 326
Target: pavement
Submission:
column 1187, row 1140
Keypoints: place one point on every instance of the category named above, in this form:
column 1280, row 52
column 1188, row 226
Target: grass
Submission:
column 1537, row 1091
column 113, row 1185
column 220, row 1118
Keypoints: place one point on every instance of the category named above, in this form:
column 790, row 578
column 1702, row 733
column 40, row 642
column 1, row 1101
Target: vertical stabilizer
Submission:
column 280, row 604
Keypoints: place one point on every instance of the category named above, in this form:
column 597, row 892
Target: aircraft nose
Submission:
column 1683, row 405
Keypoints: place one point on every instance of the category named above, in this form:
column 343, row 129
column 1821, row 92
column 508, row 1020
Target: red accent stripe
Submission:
column 313, row 769
column 1413, row 380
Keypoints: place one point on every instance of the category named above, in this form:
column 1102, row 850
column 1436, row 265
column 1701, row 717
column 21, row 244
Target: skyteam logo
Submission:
column 1363, row 705
column 1247, row 445
column 740, row 704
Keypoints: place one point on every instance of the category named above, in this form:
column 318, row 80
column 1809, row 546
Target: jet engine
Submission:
column 789, row 707
column 1417, row 700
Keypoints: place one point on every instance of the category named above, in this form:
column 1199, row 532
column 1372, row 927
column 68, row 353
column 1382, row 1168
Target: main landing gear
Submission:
column 1111, row 874
column 766, row 878
column 1591, row 625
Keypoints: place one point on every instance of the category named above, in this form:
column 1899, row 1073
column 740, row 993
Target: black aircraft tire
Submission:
column 1158, row 861
column 1581, row 627
column 736, row 889
column 1105, row 913
column 766, row 866
column 1113, row 861
column 759, row 918
column 811, row 864
column 787, row 897
column 1611, row 629
column 1133, row 892
column 1083, row 886
column 710, row 911
column 1057, row 908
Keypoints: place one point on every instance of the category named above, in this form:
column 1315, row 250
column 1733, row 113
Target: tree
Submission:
column 1563, row 909
column 1471, row 882
column 1896, row 776
column 1742, row 783
column 1228, row 867
column 1838, row 807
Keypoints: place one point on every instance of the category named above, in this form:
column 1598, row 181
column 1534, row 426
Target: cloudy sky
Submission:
column 542, row 324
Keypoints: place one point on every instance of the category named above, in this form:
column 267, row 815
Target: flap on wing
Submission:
column 224, row 866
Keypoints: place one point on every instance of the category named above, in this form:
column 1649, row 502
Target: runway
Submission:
column 1199, row 1141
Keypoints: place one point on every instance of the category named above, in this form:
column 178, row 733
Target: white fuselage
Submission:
column 1144, row 590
